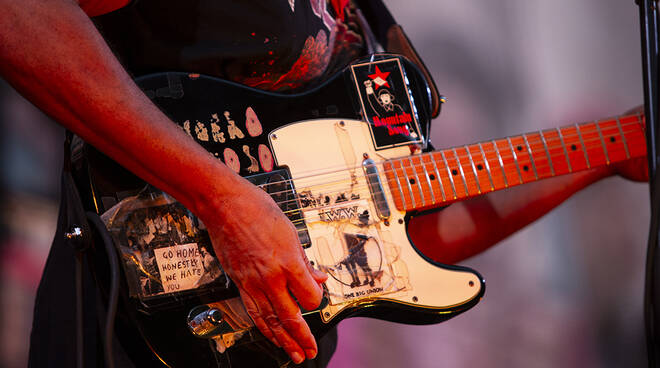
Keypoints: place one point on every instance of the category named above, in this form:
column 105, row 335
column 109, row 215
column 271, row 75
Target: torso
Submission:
column 274, row 45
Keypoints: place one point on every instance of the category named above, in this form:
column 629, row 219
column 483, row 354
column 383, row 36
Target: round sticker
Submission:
column 252, row 123
column 265, row 158
column 231, row 160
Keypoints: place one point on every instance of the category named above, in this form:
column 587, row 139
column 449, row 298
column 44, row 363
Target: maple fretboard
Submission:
column 436, row 178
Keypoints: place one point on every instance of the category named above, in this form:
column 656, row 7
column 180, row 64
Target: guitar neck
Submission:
column 437, row 178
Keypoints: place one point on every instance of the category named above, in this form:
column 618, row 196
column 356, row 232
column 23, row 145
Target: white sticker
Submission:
column 180, row 267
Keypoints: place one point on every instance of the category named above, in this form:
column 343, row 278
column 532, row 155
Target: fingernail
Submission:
column 311, row 354
column 297, row 358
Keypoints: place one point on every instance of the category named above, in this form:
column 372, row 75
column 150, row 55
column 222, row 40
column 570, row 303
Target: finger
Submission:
column 276, row 322
column 291, row 319
column 319, row 276
column 255, row 314
column 304, row 286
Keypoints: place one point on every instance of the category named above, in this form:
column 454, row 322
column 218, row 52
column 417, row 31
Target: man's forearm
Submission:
column 52, row 53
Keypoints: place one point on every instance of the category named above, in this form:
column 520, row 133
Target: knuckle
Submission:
column 271, row 277
column 290, row 324
column 272, row 321
column 252, row 310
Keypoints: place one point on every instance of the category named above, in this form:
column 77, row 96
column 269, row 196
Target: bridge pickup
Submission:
column 279, row 185
column 376, row 188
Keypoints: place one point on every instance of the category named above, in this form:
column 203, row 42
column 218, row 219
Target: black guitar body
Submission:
column 358, row 237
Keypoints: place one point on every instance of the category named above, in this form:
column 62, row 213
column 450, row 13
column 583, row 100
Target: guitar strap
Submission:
column 391, row 36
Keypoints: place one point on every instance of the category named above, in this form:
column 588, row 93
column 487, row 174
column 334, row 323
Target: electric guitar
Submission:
column 347, row 162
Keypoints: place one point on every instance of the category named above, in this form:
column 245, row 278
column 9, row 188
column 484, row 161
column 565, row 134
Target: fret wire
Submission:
column 474, row 169
column 499, row 158
column 419, row 185
column 640, row 119
column 398, row 184
column 515, row 159
column 490, row 177
column 623, row 137
column 547, row 152
column 460, row 167
column 412, row 197
column 602, row 141
column 584, row 149
column 437, row 174
column 531, row 158
column 451, row 179
column 561, row 138
column 428, row 180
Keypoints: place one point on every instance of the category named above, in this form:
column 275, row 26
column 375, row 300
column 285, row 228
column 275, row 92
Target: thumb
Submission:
column 319, row 276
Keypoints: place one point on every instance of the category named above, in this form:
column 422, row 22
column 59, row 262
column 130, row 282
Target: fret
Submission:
column 398, row 183
column 419, row 185
column 428, row 180
column 531, row 158
column 602, row 141
column 412, row 197
column 547, row 152
column 515, row 159
column 623, row 137
column 633, row 128
column 474, row 169
column 437, row 175
column 553, row 145
column 451, row 179
column 499, row 158
column 584, row 148
column 460, row 167
column 563, row 145
column 392, row 175
column 490, row 177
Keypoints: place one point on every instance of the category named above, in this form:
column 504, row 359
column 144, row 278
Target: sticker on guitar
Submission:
column 164, row 247
column 351, row 248
column 360, row 263
column 386, row 103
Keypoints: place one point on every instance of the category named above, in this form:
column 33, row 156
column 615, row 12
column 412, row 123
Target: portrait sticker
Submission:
column 386, row 103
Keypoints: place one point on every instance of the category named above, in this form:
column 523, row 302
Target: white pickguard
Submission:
column 325, row 160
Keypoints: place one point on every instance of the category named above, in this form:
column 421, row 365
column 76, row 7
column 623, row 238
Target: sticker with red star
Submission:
column 386, row 103
column 380, row 78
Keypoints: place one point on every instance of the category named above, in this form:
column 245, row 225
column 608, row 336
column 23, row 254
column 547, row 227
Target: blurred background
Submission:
column 566, row 291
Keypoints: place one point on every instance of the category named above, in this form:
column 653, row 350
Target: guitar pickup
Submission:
column 376, row 188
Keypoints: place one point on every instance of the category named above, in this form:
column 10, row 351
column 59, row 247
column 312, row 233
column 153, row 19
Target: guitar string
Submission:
column 463, row 195
column 503, row 152
column 361, row 189
column 589, row 144
column 541, row 161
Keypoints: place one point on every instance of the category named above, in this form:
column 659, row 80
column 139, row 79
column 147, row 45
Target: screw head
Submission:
column 74, row 233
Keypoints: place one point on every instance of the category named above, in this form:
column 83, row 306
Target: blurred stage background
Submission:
column 566, row 291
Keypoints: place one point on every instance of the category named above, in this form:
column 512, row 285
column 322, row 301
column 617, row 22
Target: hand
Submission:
column 636, row 169
column 259, row 249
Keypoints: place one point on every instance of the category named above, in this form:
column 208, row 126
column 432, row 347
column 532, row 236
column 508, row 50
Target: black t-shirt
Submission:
column 272, row 45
